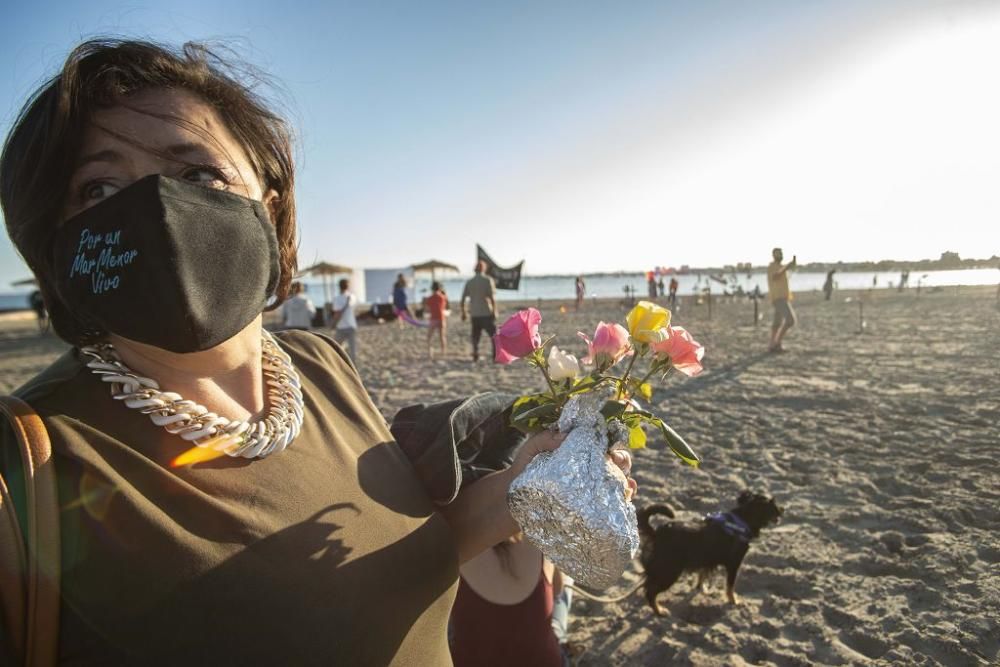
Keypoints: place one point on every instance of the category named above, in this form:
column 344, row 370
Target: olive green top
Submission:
column 329, row 552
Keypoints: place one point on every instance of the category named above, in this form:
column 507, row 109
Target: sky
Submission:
column 585, row 136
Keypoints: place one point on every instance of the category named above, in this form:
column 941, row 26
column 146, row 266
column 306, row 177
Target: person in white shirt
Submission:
column 345, row 326
column 298, row 311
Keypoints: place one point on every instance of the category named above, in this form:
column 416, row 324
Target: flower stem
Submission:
column 655, row 366
column 552, row 387
column 539, row 359
column 622, row 383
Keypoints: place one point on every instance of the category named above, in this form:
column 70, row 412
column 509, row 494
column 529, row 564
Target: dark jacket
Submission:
column 456, row 442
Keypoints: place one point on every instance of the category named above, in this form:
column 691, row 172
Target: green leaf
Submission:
column 636, row 437
column 677, row 444
column 614, row 409
column 583, row 384
column 538, row 412
column 521, row 401
column 643, row 389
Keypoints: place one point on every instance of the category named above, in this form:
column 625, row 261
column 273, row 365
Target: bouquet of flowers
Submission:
column 572, row 502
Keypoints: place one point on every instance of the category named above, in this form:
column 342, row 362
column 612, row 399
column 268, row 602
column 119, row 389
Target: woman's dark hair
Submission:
column 44, row 144
column 435, row 286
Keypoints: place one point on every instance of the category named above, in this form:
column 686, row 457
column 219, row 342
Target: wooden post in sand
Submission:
column 756, row 316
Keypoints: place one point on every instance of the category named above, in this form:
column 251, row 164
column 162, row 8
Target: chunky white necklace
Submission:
column 194, row 422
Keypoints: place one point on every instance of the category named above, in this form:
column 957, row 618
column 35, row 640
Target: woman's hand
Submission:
column 543, row 441
column 547, row 441
column 479, row 516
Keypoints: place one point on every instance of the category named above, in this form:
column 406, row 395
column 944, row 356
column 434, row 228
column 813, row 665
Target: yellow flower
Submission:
column 647, row 322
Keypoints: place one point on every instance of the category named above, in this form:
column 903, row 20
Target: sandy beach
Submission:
column 881, row 446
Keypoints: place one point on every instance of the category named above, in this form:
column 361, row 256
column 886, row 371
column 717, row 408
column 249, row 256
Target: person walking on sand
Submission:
column 345, row 325
column 828, row 284
column 37, row 303
column 581, row 291
column 437, row 304
column 673, row 292
column 400, row 301
column 298, row 311
column 480, row 291
column 781, row 299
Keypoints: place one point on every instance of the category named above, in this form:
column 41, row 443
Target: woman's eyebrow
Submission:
column 100, row 156
column 180, row 150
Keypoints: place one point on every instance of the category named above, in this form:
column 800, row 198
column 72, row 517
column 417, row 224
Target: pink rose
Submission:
column 518, row 336
column 610, row 344
column 684, row 352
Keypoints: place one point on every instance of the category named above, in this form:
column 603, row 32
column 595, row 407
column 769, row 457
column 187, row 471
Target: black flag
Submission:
column 504, row 278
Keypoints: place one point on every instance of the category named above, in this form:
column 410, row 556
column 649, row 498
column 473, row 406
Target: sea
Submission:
column 605, row 286
column 619, row 285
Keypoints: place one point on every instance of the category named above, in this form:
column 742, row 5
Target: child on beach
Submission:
column 437, row 304
column 505, row 612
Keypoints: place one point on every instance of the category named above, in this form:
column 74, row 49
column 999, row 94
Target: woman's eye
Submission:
column 96, row 191
column 207, row 176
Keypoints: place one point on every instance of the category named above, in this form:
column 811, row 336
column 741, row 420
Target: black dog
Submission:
column 722, row 538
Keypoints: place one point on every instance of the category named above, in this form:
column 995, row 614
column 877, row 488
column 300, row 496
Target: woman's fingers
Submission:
column 543, row 441
column 623, row 459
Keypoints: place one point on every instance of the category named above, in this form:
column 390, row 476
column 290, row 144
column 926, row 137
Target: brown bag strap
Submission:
column 31, row 609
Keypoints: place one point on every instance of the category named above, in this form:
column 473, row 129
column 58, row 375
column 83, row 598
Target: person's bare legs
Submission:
column 789, row 323
column 784, row 319
column 444, row 341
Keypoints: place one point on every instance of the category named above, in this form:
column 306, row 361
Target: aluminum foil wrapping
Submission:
column 571, row 502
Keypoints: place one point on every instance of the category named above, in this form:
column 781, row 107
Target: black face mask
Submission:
column 172, row 264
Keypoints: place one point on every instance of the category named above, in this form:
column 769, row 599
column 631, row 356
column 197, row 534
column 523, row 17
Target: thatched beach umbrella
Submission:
column 326, row 269
column 434, row 265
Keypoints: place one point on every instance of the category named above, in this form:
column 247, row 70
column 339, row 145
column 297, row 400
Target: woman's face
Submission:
column 191, row 143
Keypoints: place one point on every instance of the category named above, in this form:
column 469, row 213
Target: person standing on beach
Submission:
column 37, row 303
column 437, row 304
column 481, row 294
column 828, row 285
column 400, row 301
column 298, row 311
column 345, row 325
column 781, row 299
column 581, row 291
column 673, row 292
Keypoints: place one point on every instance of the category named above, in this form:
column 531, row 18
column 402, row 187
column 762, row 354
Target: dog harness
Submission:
column 731, row 524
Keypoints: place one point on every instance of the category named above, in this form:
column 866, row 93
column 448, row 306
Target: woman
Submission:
column 151, row 192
